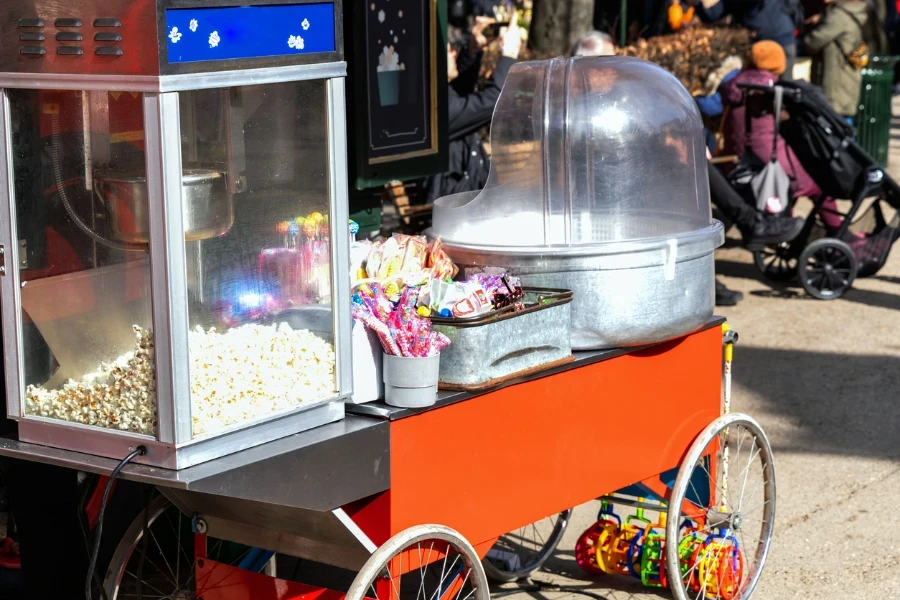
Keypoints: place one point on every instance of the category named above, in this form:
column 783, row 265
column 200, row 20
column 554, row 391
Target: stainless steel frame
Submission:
column 174, row 447
column 172, row 83
column 340, row 237
column 11, row 306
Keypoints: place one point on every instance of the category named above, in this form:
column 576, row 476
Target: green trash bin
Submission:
column 873, row 121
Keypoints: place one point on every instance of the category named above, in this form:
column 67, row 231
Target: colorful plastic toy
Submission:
column 621, row 552
column 719, row 566
column 592, row 547
column 653, row 557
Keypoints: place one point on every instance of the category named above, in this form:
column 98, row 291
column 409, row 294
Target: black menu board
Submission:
column 397, row 66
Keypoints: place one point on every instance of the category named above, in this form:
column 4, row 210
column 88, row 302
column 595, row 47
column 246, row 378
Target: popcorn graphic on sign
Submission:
column 388, row 60
column 305, row 24
column 174, row 35
column 193, row 25
column 214, row 39
column 389, row 68
column 381, row 16
column 295, row 42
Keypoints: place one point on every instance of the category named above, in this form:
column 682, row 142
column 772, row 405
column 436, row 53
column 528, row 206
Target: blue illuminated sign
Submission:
column 221, row 33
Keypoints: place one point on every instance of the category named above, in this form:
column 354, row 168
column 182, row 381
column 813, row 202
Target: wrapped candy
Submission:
column 402, row 331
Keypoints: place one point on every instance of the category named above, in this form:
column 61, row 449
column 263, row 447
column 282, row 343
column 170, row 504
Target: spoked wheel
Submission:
column 521, row 552
column 163, row 566
column 722, row 513
column 776, row 263
column 427, row 561
column 827, row 268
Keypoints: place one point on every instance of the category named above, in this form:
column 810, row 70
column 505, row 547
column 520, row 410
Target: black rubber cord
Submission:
column 140, row 451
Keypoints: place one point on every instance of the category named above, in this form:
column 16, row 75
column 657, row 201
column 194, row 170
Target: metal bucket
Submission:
column 207, row 206
column 411, row 382
column 500, row 345
column 620, row 300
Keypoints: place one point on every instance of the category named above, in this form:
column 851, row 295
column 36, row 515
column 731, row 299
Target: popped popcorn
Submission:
column 238, row 375
column 120, row 395
column 250, row 371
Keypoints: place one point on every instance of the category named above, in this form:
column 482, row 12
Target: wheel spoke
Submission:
column 133, row 576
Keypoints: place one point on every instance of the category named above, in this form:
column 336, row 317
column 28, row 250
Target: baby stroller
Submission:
column 827, row 260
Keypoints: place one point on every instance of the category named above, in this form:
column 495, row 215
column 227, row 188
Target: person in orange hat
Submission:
column 768, row 61
column 769, row 56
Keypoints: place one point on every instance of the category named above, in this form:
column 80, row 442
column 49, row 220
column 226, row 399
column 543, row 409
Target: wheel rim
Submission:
column 428, row 562
column 776, row 263
column 523, row 551
column 829, row 270
column 168, row 571
column 721, row 553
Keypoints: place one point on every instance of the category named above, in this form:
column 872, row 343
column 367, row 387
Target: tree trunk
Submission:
column 557, row 24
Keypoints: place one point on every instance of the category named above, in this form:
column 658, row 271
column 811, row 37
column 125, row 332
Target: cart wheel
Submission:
column 519, row 553
column 777, row 263
column 168, row 560
column 425, row 561
column 734, row 512
column 827, row 268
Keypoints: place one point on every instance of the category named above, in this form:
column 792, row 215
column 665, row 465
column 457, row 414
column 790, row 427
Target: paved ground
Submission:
column 823, row 379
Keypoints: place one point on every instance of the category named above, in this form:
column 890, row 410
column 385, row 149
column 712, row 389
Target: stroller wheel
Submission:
column 827, row 268
column 777, row 263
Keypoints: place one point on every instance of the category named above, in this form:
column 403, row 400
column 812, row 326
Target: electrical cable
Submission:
column 139, row 451
column 57, row 173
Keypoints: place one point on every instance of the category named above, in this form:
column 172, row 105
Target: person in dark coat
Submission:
column 468, row 112
column 769, row 19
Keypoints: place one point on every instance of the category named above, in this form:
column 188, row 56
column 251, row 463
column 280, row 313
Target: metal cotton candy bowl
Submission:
column 598, row 184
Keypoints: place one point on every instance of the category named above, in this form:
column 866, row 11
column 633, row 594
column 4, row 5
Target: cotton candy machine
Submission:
column 598, row 184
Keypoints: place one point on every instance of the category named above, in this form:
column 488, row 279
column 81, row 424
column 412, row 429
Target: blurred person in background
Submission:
column 710, row 102
column 841, row 32
column 594, row 43
column 469, row 110
column 767, row 62
column 771, row 20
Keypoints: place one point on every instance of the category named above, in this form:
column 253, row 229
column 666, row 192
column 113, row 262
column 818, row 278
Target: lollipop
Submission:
column 311, row 224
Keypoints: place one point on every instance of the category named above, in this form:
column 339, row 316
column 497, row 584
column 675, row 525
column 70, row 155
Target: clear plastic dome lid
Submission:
column 588, row 151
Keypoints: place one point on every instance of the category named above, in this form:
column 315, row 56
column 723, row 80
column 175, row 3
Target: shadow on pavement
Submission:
column 741, row 270
column 792, row 290
column 833, row 403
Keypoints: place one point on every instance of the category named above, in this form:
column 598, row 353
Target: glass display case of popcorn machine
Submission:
column 174, row 224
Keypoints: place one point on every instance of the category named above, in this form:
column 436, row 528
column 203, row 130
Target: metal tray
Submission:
column 489, row 349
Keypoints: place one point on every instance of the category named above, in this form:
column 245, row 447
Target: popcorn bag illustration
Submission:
column 389, row 68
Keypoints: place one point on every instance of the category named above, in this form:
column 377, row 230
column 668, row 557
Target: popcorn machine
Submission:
column 173, row 223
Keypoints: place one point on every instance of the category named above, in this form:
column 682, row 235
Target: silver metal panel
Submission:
column 336, row 463
column 167, row 266
column 172, row 83
column 316, row 535
column 64, row 81
column 117, row 444
column 259, row 76
column 247, row 436
column 340, row 238
column 621, row 299
column 11, row 304
column 635, row 306
column 94, row 440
